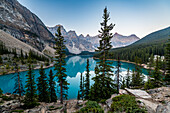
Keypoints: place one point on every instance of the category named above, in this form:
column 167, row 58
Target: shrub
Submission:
column 91, row 107
column 126, row 103
column 6, row 98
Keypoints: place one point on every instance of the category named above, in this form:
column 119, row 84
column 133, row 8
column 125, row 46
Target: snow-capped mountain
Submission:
column 76, row 44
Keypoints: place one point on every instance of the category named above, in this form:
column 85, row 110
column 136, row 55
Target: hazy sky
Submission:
column 139, row 17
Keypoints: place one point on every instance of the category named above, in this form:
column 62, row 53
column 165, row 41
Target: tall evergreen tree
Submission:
column 150, row 64
column 22, row 56
column 128, row 78
column 105, row 68
column 52, row 92
column 60, row 65
column 18, row 87
column 118, row 74
column 157, row 74
column 94, row 91
column 133, row 78
column 81, row 86
column 43, row 94
column 30, row 96
column 138, row 73
column 87, row 81
column 0, row 60
column 167, row 76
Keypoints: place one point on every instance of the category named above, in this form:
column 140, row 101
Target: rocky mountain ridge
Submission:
column 76, row 44
column 22, row 24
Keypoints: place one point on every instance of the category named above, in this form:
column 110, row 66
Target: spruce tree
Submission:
column 128, row 78
column 123, row 84
column 118, row 74
column 18, row 87
column 150, row 64
column 138, row 73
column 105, row 68
column 81, row 86
column 167, row 76
column 0, row 60
column 133, row 78
column 42, row 86
column 78, row 95
column 30, row 96
column 94, row 91
column 157, row 74
column 87, row 81
column 52, row 92
column 60, row 65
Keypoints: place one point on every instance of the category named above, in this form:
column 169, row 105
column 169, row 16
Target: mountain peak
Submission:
column 117, row 34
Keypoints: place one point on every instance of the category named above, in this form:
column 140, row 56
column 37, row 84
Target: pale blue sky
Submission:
column 139, row 17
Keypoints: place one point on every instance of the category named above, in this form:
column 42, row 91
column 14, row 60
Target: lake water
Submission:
column 75, row 66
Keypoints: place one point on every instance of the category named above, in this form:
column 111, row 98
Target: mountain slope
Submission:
column 154, row 43
column 12, row 43
column 78, row 44
column 21, row 23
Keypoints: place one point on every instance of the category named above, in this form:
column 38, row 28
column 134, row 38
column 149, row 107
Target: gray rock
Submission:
column 163, row 108
column 138, row 93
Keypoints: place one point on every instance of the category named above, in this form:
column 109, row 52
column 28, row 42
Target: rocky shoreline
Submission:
column 154, row 101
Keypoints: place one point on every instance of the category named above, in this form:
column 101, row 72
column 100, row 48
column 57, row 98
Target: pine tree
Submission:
column 128, row 78
column 94, row 91
column 133, row 78
column 60, row 65
column 156, row 74
column 118, row 74
column 138, row 73
column 123, row 84
column 22, row 56
column 18, row 87
column 167, row 76
column 150, row 64
column 105, row 68
column 81, row 86
column 43, row 94
column 87, row 81
column 0, row 60
column 78, row 95
column 52, row 92
column 30, row 96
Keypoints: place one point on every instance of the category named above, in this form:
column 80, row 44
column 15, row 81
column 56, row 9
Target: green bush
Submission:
column 91, row 107
column 30, row 105
column 103, row 101
column 126, row 103
column 6, row 98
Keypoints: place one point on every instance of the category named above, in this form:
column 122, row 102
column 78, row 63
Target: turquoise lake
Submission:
column 75, row 66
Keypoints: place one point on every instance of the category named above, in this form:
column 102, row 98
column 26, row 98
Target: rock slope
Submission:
column 21, row 23
column 12, row 42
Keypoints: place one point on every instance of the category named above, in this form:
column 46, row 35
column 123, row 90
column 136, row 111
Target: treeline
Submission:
column 143, row 51
column 36, row 56
column 3, row 49
column 31, row 54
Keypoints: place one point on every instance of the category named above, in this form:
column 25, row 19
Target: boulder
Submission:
column 139, row 93
column 163, row 108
